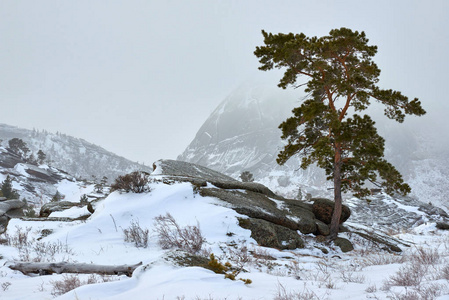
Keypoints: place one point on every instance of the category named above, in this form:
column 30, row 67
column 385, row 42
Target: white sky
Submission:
column 140, row 77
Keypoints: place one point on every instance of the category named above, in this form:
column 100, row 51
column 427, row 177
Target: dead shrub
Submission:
column 431, row 291
column 408, row 275
column 136, row 182
column 444, row 272
column 68, row 283
column 349, row 276
column 35, row 251
column 384, row 259
column 429, row 257
column 136, row 234
column 171, row 235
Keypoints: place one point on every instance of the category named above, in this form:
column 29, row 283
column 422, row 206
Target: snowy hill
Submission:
column 242, row 135
column 318, row 271
column 73, row 155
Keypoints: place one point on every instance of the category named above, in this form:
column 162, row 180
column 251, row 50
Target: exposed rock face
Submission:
column 242, row 133
column 273, row 220
column 251, row 199
column 324, row 208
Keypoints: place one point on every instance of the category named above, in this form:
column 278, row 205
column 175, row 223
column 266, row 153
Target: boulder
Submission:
column 10, row 209
column 50, row 207
column 323, row 208
column 344, row 244
column 4, row 220
column 271, row 235
column 442, row 226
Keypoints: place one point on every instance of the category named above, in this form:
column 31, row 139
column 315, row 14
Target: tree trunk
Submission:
column 64, row 267
column 336, row 215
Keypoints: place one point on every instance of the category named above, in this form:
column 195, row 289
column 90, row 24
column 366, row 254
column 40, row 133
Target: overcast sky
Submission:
column 140, row 77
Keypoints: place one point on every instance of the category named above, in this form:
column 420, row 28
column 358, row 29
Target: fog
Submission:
column 140, row 77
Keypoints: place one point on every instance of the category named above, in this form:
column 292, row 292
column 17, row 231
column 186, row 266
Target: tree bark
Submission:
column 64, row 267
column 336, row 215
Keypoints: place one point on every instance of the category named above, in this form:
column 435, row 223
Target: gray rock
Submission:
column 10, row 209
column 4, row 220
column 50, row 207
column 184, row 169
column 442, row 226
column 271, row 235
column 322, row 228
column 344, row 244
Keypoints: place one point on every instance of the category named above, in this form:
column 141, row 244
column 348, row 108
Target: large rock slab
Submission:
column 251, row 199
column 50, row 207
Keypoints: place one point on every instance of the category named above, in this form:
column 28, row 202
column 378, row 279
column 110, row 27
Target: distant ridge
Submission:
column 73, row 155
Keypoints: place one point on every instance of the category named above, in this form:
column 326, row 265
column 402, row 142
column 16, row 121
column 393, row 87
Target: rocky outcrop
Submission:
column 273, row 220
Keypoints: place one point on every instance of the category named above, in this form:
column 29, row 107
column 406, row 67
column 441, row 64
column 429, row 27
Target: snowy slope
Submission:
column 308, row 273
column 73, row 155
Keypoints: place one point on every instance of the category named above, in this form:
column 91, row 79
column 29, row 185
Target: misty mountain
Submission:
column 73, row 155
column 242, row 134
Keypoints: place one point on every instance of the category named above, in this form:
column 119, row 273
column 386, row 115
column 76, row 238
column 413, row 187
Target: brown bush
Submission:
column 136, row 182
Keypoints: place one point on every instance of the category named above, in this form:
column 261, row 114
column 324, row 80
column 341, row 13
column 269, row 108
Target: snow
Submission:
column 100, row 240
column 21, row 169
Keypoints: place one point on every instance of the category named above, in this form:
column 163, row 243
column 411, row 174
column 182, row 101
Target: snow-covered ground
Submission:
column 365, row 273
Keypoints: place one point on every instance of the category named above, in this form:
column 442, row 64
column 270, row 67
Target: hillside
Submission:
column 73, row 155
column 316, row 270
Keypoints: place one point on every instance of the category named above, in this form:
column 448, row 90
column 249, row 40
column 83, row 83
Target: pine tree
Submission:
column 19, row 147
column 41, row 157
column 56, row 197
column 340, row 75
column 247, row 176
column 7, row 190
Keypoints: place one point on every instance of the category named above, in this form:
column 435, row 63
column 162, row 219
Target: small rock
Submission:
column 442, row 226
column 344, row 244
